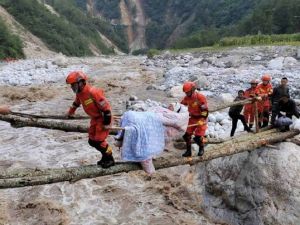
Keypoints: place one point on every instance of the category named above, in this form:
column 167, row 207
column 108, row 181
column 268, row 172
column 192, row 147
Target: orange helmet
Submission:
column 266, row 77
column 188, row 86
column 254, row 81
column 75, row 77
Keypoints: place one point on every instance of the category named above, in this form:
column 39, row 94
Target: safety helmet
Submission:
column 75, row 77
column 254, row 81
column 188, row 86
column 266, row 77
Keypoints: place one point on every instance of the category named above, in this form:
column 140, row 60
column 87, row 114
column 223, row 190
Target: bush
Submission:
column 259, row 39
column 152, row 52
column 10, row 45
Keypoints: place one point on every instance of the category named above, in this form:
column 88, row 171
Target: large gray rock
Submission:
column 290, row 62
column 176, row 92
column 226, row 97
column 262, row 187
column 276, row 63
column 298, row 53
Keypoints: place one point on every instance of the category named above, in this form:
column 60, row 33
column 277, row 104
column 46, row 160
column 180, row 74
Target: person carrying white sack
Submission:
column 146, row 133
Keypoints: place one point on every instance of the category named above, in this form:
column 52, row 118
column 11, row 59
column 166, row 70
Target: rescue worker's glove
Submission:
column 258, row 98
column 201, row 122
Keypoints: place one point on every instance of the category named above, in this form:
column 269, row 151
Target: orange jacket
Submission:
column 249, row 93
column 93, row 101
column 197, row 105
column 264, row 91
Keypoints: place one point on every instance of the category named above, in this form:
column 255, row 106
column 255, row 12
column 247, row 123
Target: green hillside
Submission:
column 71, row 33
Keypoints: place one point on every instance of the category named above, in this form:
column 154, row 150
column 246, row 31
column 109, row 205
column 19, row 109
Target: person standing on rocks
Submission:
column 198, row 111
column 278, row 92
column 249, row 111
column 265, row 91
column 235, row 114
column 4, row 110
column 98, row 108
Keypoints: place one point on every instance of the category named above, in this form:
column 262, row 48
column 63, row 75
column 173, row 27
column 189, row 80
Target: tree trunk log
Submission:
column 226, row 105
column 22, row 178
column 18, row 122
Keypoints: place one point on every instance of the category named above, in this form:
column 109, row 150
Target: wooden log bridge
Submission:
column 31, row 177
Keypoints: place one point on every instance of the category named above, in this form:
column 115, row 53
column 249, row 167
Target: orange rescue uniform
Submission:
column 94, row 104
column 198, row 110
column 264, row 91
column 249, row 111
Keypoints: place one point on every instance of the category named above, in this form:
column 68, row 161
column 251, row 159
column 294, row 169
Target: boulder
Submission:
column 212, row 118
column 226, row 97
column 257, row 188
column 219, row 117
column 60, row 60
column 276, row 63
column 257, row 58
column 176, row 92
column 298, row 53
column 289, row 62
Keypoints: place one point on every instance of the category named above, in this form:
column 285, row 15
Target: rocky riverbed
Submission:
column 259, row 187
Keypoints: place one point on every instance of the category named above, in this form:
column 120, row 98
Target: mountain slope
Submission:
column 32, row 46
column 71, row 32
column 172, row 23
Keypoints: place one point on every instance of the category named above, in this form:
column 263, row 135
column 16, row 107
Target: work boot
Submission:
column 201, row 150
column 99, row 163
column 188, row 152
column 265, row 124
column 248, row 129
column 106, row 161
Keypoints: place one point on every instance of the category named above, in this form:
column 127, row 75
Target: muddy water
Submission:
column 169, row 197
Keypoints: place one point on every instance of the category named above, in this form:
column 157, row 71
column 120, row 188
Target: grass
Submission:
column 246, row 41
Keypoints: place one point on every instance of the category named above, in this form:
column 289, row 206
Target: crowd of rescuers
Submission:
column 275, row 101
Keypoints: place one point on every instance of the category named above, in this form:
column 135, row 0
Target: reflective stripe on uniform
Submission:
column 88, row 101
column 204, row 113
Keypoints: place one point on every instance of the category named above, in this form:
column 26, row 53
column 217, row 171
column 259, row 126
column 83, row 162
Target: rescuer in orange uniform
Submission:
column 249, row 111
column 264, row 90
column 98, row 108
column 198, row 110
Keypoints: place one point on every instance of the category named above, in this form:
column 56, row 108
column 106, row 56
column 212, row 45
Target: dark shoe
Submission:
column 248, row 130
column 106, row 161
column 99, row 163
column 265, row 124
column 250, row 126
column 188, row 153
column 201, row 151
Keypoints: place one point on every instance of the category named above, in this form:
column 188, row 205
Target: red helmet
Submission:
column 75, row 77
column 188, row 86
column 266, row 77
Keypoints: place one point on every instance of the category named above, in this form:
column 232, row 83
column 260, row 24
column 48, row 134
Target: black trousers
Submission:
column 235, row 118
column 275, row 111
